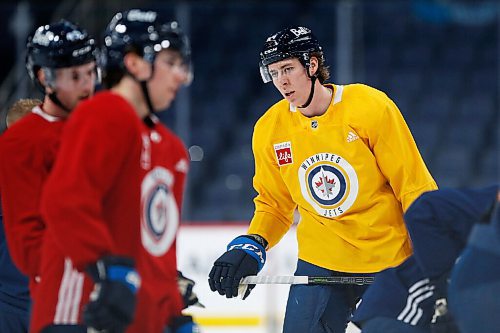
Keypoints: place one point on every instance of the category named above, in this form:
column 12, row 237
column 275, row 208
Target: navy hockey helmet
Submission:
column 294, row 42
column 146, row 34
column 58, row 45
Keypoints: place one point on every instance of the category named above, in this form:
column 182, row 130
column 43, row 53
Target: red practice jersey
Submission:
column 119, row 184
column 90, row 203
column 165, row 166
column 28, row 150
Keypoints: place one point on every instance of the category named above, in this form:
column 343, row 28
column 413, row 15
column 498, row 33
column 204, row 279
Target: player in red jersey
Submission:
column 15, row 299
column 164, row 177
column 121, row 175
column 61, row 62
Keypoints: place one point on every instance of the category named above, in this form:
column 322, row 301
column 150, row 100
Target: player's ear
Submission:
column 313, row 65
column 137, row 66
column 42, row 77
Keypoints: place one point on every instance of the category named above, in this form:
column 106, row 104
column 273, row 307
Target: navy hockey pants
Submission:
column 320, row 309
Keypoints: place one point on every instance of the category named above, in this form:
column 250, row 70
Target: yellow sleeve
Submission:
column 398, row 156
column 274, row 206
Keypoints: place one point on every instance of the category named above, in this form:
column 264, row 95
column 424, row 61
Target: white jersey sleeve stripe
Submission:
column 69, row 297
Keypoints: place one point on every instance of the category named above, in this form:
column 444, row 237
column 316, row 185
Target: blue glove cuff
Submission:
column 251, row 247
column 188, row 328
column 126, row 275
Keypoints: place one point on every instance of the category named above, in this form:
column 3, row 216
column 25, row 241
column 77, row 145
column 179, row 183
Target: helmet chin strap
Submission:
column 311, row 93
column 145, row 92
column 53, row 97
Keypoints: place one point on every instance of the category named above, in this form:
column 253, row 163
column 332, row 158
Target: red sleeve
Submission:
column 24, row 167
column 94, row 146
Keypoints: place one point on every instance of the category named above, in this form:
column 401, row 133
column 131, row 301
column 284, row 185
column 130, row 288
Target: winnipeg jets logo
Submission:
column 328, row 183
column 160, row 214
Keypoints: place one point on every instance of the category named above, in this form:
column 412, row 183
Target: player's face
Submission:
column 170, row 73
column 76, row 83
column 290, row 78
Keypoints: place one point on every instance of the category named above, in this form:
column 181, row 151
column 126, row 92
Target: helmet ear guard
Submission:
column 49, row 77
column 264, row 73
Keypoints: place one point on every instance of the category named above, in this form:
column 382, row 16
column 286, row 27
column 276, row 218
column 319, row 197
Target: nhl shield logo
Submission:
column 283, row 153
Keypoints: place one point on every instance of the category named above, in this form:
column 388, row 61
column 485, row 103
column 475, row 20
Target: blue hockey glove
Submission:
column 112, row 302
column 246, row 255
column 185, row 286
column 183, row 324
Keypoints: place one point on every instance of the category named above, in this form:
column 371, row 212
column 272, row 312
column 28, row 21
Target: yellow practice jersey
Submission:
column 350, row 172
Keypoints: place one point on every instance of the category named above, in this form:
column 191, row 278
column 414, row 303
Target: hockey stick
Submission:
column 313, row 280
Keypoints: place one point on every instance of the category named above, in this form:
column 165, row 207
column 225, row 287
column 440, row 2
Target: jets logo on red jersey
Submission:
column 283, row 153
column 329, row 183
column 160, row 215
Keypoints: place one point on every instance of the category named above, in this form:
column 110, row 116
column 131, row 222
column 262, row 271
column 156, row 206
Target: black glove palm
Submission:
column 112, row 303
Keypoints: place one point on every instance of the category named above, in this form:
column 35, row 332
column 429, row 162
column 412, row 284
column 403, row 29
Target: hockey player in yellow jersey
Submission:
column 342, row 156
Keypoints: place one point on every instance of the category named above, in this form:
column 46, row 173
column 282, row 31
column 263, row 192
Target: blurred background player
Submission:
column 128, row 193
column 61, row 62
column 162, row 50
column 412, row 297
column 335, row 153
column 475, row 279
column 14, row 291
